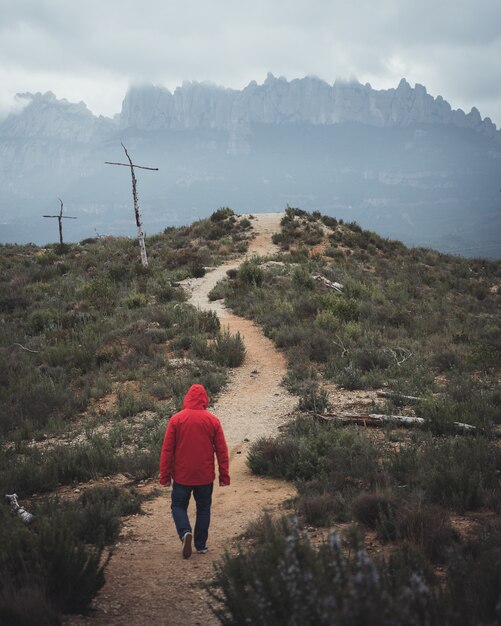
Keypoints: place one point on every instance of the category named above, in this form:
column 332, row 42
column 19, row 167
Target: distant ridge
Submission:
column 278, row 101
column 398, row 161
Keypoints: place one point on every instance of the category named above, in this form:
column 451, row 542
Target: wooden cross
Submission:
column 139, row 224
column 60, row 219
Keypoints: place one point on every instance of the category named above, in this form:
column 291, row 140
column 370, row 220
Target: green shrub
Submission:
column 375, row 510
column 367, row 359
column 348, row 377
column 284, row 580
column 228, row 349
column 27, row 605
column 273, row 457
column 310, row 450
column 136, row 301
column 208, row 322
column 222, row 214
column 197, row 270
column 218, row 292
column 318, row 509
column 302, row 279
column 130, row 403
column 346, row 310
column 427, row 527
column 474, row 579
column 72, row 571
column 100, row 293
column 49, row 557
column 331, row 222
column 250, row 273
column 313, row 398
column 168, row 293
column 328, row 321
column 459, row 473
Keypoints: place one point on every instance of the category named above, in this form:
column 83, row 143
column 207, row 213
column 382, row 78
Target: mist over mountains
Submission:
column 398, row 161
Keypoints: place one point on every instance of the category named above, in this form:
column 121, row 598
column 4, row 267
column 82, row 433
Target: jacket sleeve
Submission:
column 223, row 460
column 167, row 454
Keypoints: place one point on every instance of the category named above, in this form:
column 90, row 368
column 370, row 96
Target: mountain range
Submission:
column 398, row 161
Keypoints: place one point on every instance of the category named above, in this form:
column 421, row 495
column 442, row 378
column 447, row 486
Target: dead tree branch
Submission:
column 26, row 517
column 401, row 355
column 398, row 396
column 27, row 349
column 139, row 224
column 60, row 217
column 378, row 420
column 328, row 283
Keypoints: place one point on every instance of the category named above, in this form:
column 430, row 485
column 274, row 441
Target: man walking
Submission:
column 192, row 437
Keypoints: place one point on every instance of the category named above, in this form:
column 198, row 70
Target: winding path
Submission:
column 147, row 581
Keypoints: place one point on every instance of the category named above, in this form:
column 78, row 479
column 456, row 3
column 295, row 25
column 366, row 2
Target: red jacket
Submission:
column 191, row 438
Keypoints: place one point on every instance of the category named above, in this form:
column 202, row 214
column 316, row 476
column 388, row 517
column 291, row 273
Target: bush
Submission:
column 131, row 403
column 222, row 214
column 136, row 301
column 375, row 510
column 228, row 349
column 197, row 270
column 27, row 605
column 272, row 457
column 331, row 222
column 302, row 279
column 250, row 273
column 208, row 322
column 427, row 527
column 460, row 474
column 284, row 580
column 313, row 398
column 100, row 293
column 50, row 558
column 311, row 450
column 318, row 509
column 168, row 293
column 474, row 579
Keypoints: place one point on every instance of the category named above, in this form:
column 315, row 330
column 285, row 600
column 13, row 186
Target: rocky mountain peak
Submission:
column 44, row 116
column 279, row 101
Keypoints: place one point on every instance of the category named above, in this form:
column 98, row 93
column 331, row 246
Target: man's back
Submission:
column 192, row 437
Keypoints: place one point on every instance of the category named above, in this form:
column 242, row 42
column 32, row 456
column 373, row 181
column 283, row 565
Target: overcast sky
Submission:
column 92, row 50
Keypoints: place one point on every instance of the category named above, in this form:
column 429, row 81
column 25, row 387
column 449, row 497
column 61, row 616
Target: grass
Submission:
column 88, row 378
column 84, row 321
column 341, row 474
column 412, row 320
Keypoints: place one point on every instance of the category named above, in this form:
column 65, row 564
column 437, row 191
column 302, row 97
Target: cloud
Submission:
column 91, row 50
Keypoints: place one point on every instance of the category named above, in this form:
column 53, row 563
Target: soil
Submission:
column 147, row 580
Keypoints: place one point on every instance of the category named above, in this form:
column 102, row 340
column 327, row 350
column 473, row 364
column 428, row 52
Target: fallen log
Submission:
column 376, row 419
column 392, row 395
column 328, row 283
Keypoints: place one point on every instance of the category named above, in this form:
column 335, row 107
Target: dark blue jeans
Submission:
column 180, row 498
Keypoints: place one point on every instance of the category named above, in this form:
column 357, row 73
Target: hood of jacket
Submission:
column 196, row 398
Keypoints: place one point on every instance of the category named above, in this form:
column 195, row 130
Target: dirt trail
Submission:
column 147, row 581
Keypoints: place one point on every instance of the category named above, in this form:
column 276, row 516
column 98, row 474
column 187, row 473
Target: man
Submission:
column 192, row 437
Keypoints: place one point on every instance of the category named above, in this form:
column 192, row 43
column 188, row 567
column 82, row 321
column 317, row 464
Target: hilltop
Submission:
column 97, row 352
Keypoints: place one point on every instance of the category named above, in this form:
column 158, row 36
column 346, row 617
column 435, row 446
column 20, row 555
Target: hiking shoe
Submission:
column 203, row 550
column 187, row 537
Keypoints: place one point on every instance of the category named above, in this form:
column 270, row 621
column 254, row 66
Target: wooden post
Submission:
column 60, row 219
column 139, row 224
